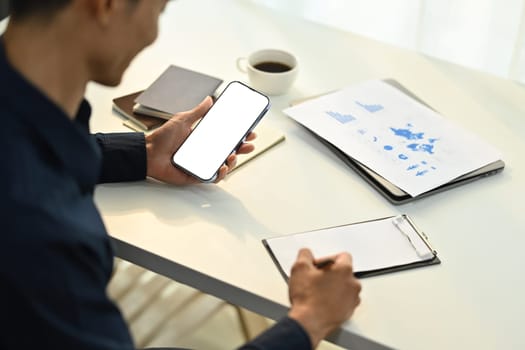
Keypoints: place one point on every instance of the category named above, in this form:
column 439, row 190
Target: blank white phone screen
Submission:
column 220, row 131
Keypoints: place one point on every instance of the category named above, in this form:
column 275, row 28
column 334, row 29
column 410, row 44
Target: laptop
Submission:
column 396, row 195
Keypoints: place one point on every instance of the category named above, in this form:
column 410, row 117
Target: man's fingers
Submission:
column 231, row 161
column 305, row 255
column 344, row 257
column 251, row 136
column 246, row 148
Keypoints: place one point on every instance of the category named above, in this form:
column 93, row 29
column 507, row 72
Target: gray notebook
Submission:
column 177, row 89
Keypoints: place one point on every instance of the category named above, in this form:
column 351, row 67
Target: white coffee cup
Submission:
column 269, row 71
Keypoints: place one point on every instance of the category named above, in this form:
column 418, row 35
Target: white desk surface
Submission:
column 209, row 236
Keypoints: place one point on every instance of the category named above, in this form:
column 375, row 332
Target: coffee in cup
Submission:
column 270, row 71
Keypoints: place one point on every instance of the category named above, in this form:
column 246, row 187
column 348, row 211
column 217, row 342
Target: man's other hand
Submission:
column 322, row 298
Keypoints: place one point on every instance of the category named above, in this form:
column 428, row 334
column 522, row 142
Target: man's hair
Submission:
column 42, row 8
column 20, row 9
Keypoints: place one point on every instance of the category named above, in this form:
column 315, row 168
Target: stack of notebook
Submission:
column 177, row 89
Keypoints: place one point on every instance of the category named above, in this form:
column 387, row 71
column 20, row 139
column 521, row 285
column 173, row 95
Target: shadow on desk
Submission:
column 179, row 206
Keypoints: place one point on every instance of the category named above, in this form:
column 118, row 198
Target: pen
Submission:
column 324, row 263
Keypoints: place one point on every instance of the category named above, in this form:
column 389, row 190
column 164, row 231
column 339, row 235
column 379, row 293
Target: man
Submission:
column 56, row 258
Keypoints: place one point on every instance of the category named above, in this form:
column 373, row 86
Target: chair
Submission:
column 161, row 311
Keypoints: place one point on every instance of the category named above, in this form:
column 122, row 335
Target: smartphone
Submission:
column 221, row 131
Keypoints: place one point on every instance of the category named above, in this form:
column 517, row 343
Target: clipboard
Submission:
column 377, row 246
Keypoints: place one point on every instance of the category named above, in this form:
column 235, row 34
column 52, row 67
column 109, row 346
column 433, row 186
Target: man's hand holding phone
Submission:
column 162, row 142
column 221, row 132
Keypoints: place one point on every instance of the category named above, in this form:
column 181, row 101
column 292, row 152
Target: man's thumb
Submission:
column 200, row 110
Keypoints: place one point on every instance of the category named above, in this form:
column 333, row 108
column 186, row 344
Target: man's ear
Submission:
column 103, row 10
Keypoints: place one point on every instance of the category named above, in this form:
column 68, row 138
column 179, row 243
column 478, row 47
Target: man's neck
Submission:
column 38, row 52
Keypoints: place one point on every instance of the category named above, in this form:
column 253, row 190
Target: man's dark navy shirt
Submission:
column 56, row 258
